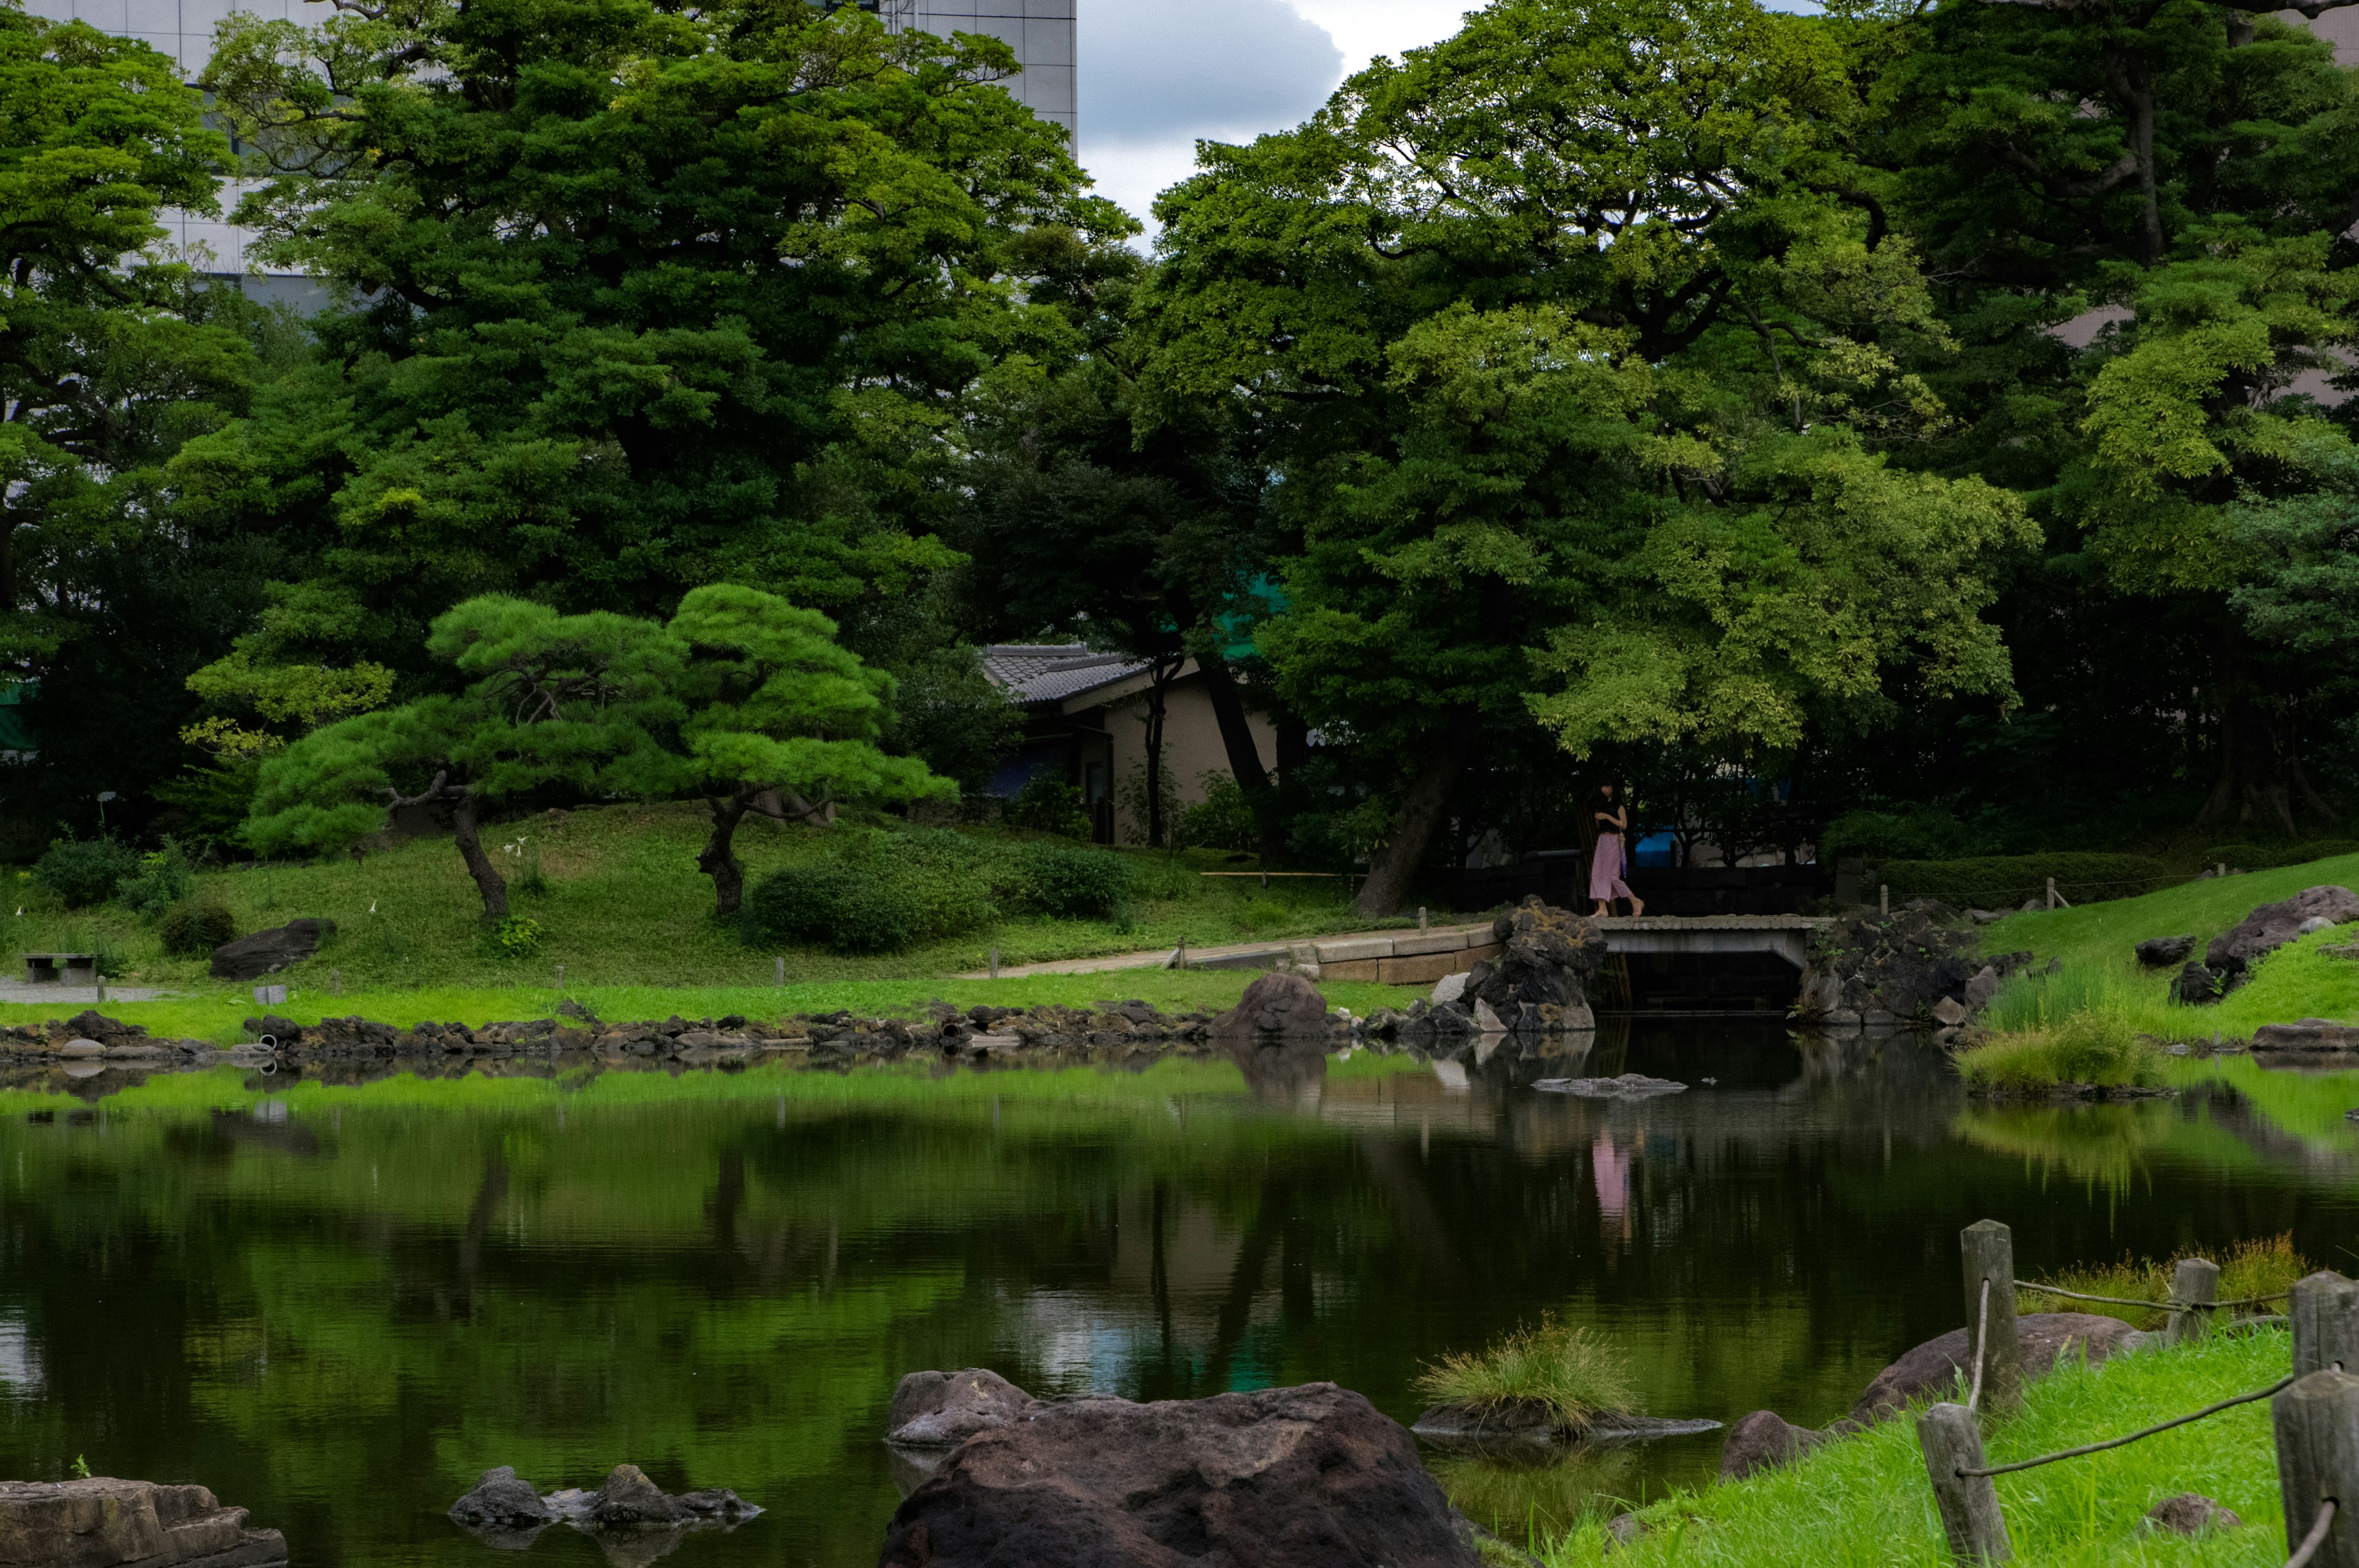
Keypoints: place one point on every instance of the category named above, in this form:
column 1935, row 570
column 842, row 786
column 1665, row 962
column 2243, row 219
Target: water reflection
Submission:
column 336, row 1304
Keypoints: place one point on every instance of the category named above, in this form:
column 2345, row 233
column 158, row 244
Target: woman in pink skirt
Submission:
column 1606, row 862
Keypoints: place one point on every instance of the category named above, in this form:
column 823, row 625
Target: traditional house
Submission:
column 1086, row 723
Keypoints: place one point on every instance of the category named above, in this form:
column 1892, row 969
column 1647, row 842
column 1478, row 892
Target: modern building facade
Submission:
column 1041, row 32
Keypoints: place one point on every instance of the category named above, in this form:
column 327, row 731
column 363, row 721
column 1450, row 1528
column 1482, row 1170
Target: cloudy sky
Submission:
column 1158, row 74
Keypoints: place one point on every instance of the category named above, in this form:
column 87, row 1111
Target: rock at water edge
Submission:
column 1278, row 1004
column 1936, row 1366
column 502, row 1500
column 1308, row 1475
column 1763, row 1439
column 942, row 1410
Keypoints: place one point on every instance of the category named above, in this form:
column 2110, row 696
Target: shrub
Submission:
column 1222, row 820
column 2005, row 882
column 518, row 937
column 1576, row 1378
column 194, row 930
column 1910, row 832
column 2248, row 1270
column 1262, row 914
column 83, row 871
column 1069, row 882
column 876, row 893
column 1049, row 804
column 2096, row 1048
column 165, row 878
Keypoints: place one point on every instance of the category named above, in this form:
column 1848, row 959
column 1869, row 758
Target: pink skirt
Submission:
column 1605, row 869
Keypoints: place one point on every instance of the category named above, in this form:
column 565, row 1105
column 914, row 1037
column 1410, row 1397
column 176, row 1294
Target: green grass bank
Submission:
column 2101, row 974
column 623, row 907
column 1863, row 1502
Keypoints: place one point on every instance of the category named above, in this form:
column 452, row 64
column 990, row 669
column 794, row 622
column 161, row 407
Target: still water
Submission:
column 337, row 1304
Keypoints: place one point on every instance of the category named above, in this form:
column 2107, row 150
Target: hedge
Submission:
column 2005, row 882
column 2268, row 857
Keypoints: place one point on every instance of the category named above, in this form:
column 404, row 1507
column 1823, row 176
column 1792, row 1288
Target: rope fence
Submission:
column 2314, row 1409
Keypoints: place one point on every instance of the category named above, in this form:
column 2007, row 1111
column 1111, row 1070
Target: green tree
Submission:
column 646, row 298
column 113, row 353
column 1585, row 350
column 792, row 724
column 581, row 703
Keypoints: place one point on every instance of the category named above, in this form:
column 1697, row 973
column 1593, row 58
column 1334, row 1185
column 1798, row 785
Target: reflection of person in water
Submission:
column 1610, row 1168
column 1607, row 861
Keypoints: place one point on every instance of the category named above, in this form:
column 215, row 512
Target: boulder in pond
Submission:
column 2162, row 952
column 1762, row 1441
column 1539, row 979
column 1935, row 1367
column 2307, row 1034
column 1629, row 1086
column 99, row 1522
column 1279, row 1002
column 502, row 1500
column 1299, row 1476
column 2272, row 925
column 267, row 952
column 942, row 1410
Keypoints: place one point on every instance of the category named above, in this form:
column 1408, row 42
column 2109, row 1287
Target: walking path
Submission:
column 1413, row 957
column 75, row 996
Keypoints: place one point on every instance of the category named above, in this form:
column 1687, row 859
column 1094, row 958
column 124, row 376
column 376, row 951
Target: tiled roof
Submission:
column 1051, row 672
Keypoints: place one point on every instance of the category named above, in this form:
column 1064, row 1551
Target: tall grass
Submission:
column 2099, row 1048
column 2040, row 1001
column 1562, row 1370
column 2250, row 1269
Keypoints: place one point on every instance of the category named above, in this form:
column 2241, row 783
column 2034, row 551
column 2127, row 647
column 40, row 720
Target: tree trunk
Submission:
column 488, row 881
column 1244, row 759
column 718, row 858
column 1158, row 683
column 2254, row 787
column 1422, row 811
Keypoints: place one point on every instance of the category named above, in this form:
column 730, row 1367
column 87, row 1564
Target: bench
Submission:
column 71, row 968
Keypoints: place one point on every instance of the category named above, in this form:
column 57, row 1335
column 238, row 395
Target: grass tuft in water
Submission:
column 1574, row 1376
column 2102, row 1048
column 2250, row 1269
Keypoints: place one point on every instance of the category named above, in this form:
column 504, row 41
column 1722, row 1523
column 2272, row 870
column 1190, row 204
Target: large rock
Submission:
column 1763, row 1439
column 2272, row 925
column 1539, row 979
column 2309, row 1035
column 1902, row 966
column 2199, row 986
column 942, row 1410
column 100, row 1523
column 1275, row 1478
column 2162, row 952
column 267, row 952
column 1935, row 1367
column 1278, row 1004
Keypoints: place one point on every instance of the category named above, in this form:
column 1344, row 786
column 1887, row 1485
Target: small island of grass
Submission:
column 1545, row 1375
column 2084, row 1052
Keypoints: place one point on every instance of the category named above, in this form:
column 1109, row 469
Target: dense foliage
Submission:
column 879, row 893
column 1916, row 430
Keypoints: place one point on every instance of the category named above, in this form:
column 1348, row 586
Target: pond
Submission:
column 336, row 1305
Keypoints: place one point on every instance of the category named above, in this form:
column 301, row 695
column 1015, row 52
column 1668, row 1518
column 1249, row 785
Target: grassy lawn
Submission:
column 1864, row 1500
column 627, row 914
column 2101, row 972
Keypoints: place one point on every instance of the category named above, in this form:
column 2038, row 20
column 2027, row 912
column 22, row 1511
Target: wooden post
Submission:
column 994, row 960
column 2051, row 893
column 1421, row 918
column 561, row 977
column 2224, row 868
column 2317, row 1423
column 1265, row 879
column 1988, row 1248
column 336, row 982
column 1969, row 1504
column 2325, row 1312
column 2194, row 1285
column 781, row 970
column 1883, row 900
column 1179, row 955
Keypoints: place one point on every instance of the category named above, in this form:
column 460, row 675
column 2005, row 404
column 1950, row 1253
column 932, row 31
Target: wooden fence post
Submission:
column 2051, row 893
column 1883, row 900
column 2317, row 1423
column 1989, row 1251
column 2193, row 1284
column 2325, row 1312
column 1970, row 1516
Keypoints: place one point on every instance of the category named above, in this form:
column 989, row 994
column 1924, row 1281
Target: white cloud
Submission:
column 1151, row 71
